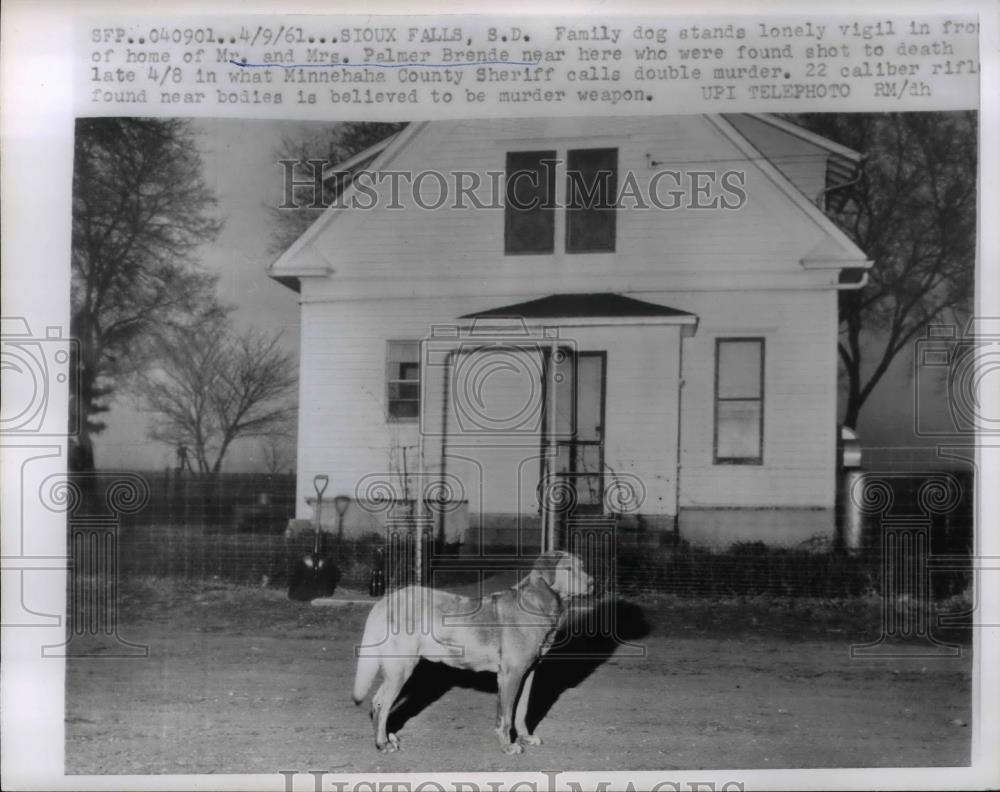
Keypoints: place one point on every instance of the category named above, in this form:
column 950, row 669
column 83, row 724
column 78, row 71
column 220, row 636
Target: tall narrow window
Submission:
column 529, row 210
column 591, row 190
column 403, row 380
column 739, row 401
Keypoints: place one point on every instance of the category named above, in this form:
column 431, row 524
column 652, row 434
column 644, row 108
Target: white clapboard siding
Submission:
column 396, row 273
column 389, row 248
column 800, row 400
column 344, row 432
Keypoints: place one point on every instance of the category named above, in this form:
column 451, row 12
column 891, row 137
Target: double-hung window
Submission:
column 403, row 380
column 739, row 401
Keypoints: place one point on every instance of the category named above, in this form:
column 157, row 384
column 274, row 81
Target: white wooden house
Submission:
column 673, row 364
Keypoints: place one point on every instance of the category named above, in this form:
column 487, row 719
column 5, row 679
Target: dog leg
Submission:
column 378, row 716
column 521, row 712
column 508, row 681
column 394, row 677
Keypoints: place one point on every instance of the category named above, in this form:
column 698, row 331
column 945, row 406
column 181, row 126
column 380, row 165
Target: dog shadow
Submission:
column 588, row 640
column 429, row 682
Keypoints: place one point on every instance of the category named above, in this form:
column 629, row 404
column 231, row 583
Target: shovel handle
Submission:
column 320, row 482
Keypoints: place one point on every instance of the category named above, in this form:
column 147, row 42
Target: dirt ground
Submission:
column 241, row 680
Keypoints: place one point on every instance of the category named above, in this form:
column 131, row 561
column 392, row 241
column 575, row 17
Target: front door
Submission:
column 579, row 435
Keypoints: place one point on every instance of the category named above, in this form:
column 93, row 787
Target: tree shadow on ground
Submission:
column 588, row 639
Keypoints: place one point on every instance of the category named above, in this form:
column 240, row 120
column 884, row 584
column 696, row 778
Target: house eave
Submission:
column 349, row 165
column 535, row 328
column 577, row 321
column 807, row 207
column 810, row 137
column 383, row 152
column 288, row 281
column 292, row 278
column 835, row 263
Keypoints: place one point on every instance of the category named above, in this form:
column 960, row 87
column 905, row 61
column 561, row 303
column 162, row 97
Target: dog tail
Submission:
column 368, row 658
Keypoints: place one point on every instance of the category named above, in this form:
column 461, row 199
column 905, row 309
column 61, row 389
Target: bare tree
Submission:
column 323, row 150
column 913, row 211
column 276, row 454
column 140, row 209
column 210, row 386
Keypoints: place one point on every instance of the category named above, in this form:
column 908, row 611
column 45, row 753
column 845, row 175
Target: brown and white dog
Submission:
column 506, row 632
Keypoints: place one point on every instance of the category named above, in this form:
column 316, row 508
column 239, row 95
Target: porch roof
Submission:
column 582, row 306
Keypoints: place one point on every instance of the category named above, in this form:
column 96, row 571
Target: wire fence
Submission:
column 245, row 503
column 233, row 527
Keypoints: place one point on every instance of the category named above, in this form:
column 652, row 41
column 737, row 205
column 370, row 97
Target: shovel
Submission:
column 315, row 575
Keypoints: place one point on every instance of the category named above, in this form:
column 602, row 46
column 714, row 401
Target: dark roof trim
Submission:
column 592, row 305
column 289, row 282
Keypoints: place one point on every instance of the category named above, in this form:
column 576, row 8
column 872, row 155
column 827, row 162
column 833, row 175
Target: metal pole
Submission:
column 414, row 519
column 549, row 531
column 677, row 438
column 421, row 465
column 446, row 375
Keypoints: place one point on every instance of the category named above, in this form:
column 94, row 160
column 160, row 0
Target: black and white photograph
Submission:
column 506, row 446
column 632, row 357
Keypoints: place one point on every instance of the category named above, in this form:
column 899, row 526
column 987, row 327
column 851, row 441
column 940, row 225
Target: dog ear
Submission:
column 537, row 600
column 545, row 568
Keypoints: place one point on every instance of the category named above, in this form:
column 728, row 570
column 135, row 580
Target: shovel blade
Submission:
column 314, row 576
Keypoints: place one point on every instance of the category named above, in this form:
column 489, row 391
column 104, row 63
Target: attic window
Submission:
column 403, row 380
column 529, row 211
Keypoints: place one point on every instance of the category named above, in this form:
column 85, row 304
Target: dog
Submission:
column 506, row 632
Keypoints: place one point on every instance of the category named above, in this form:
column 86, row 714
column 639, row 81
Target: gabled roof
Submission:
column 306, row 259
column 352, row 165
column 375, row 157
column 841, row 163
column 336, row 179
column 849, row 254
column 593, row 305
column 810, row 137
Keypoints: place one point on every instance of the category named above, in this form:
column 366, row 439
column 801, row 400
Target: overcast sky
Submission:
column 240, row 166
column 239, row 159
